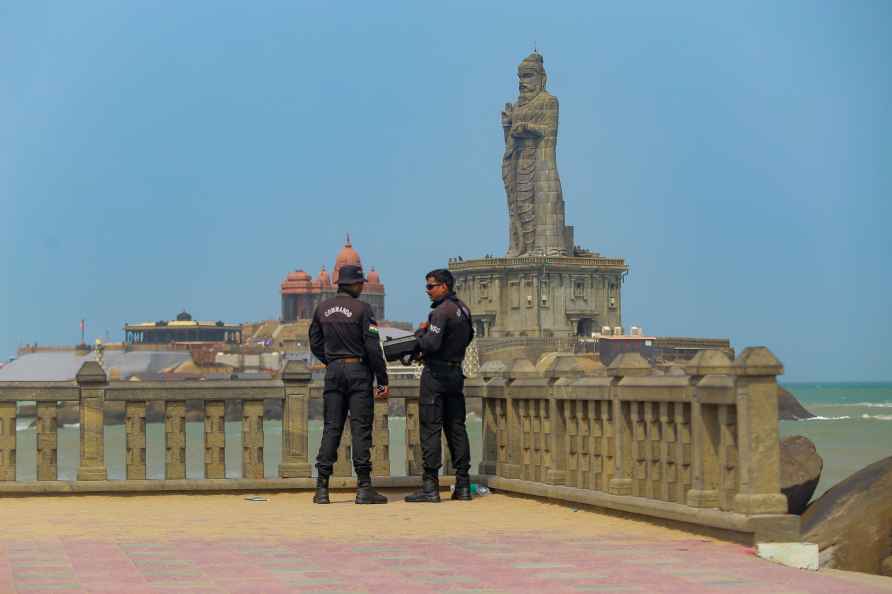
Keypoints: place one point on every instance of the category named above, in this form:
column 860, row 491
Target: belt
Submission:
column 436, row 362
column 349, row 360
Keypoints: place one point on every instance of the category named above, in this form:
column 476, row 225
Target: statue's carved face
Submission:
column 529, row 83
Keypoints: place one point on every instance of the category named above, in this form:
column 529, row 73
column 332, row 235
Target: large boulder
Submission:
column 788, row 408
column 800, row 467
column 852, row 522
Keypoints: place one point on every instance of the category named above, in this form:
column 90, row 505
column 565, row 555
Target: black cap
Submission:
column 350, row 274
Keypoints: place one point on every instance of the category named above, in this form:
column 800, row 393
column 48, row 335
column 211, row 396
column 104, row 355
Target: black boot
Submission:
column 365, row 494
column 428, row 493
column 462, row 490
column 321, row 495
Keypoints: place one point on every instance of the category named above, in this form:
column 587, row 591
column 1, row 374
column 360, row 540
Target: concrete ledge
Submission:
column 763, row 528
column 801, row 555
column 200, row 485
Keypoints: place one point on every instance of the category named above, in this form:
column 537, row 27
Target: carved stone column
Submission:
column 295, row 463
column 92, row 381
column 757, row 424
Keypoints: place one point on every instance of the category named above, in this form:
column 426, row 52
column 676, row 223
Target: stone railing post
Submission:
column 493, row 397
column 624, row 365
column 296, row 377
column 712, row 375
column 757, row 426
column 521, row 371
column 92, row 381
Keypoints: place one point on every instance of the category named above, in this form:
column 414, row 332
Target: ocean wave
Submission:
column 827, row 418
column 874, row 404
column 878, row 417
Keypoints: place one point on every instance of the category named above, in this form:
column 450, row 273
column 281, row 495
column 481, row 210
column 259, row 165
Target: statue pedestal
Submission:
column 541, row 296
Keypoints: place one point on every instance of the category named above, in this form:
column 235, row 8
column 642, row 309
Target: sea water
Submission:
column 852, row 429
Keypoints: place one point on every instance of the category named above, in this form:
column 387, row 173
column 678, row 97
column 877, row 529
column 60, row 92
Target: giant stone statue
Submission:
column 529, row 168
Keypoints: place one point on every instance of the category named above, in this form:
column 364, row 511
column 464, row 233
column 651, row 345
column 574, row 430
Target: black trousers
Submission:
column 348, row 388
column 443, row 410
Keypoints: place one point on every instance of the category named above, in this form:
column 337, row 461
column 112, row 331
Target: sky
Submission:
column 156, row 156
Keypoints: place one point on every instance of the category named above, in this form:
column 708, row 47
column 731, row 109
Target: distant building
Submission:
column 183, row 329
column 301, row 293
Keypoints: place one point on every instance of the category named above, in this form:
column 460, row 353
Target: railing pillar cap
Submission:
column 296, row 371
column 569, row 365
column 758, row 361
column 91, row 372
column 523, row 369
column 492, row 369
column 629, row 364
column 711, row 362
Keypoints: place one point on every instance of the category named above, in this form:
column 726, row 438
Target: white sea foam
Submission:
column 827, row 418
column 874, row 404
column 878, row 417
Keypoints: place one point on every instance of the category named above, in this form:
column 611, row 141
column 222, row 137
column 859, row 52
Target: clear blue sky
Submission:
column 155, row 156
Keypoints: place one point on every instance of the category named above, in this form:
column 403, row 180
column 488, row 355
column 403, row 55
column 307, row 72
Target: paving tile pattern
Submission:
column 516, row 563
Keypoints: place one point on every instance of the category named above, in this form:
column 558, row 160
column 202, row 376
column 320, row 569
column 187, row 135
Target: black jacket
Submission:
column 449, row 333
column 344, row 326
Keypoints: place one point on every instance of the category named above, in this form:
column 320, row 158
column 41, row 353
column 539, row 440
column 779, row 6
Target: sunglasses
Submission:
column 429, row 287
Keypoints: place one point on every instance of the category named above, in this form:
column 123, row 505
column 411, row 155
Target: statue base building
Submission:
column 541, row 296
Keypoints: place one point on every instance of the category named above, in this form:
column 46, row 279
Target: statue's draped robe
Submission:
column 532, row 184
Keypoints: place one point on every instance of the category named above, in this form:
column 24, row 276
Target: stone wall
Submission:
column 697, row 443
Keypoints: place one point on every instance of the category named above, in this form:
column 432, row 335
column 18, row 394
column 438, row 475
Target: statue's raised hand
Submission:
column 507, row 115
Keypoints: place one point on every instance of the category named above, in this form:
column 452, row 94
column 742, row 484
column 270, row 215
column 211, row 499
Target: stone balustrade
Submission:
column 697, row 443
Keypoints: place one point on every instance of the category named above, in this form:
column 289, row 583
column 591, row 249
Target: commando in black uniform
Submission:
column 344, row 336
column 443, row 342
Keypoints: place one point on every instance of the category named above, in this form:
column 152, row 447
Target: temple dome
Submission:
column 347, row 255
column 374, row 277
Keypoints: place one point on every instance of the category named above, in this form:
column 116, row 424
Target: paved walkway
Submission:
column 498, row 543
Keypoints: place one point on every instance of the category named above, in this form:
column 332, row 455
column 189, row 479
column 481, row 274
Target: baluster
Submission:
column 639, row 450
column 653, row 451
column 683, row 458
column 7, row 441
column 135, row 425
column 727, row 456
column 414, row 458
column 252, row 439
column 502, row 466
column 608, row 444
column 214, row 439
column 667, row 470
column 490, row 437
column 47, row 441
column 175, row 440
column 381, row 440
column 575, row 457
column 523, row 416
